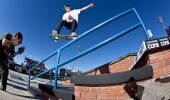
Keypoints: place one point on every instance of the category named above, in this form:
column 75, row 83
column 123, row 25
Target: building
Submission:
column 29, row 63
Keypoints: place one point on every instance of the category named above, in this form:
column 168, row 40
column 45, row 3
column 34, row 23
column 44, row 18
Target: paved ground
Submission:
column 158, row 86
column 17, row 88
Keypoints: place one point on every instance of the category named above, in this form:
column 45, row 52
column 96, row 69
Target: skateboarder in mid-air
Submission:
column 70, row 20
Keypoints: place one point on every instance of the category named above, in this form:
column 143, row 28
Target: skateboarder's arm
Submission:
column 86, row 7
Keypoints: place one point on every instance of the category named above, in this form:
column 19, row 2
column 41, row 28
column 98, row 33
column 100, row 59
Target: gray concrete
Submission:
column 155, row 89
column 147, row 94
column 17, row 87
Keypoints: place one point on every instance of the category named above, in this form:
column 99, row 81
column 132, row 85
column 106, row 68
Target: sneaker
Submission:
column 56, row 37
column 3, row 90
column 55, row 33
column 73, row 34
column 74, row 38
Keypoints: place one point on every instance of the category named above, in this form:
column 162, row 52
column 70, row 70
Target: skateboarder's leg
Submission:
column 56, row 32
column 73, row 28
column 69, row 25
column 60, row 26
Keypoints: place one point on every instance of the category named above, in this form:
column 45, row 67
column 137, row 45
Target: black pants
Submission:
column 72, row 26
column 4, row 73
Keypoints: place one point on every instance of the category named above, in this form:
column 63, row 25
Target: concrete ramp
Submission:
column 17, row 88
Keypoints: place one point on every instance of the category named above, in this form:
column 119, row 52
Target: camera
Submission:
column 21, row 49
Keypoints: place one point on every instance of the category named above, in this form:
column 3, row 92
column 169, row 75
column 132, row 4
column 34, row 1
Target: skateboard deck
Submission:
column 62, row 37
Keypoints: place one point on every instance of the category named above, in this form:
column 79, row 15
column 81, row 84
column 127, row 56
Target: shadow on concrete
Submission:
column 17, row 82
column 23, row 89
column 163, row 80
column 17, row 87
column 22, row 96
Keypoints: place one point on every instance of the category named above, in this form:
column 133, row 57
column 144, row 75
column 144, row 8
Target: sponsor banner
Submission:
column 141, row 51
column 149, row 45
column 152, row 44
column 139, row 54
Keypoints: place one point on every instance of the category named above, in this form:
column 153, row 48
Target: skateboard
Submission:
column 62, row 37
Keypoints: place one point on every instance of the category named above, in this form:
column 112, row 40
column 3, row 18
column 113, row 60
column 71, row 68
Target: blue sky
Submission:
column 37, row 18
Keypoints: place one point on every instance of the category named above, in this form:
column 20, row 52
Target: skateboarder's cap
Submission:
column 66, row 6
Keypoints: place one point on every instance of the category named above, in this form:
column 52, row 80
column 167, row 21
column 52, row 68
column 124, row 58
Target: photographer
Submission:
column 7, row 46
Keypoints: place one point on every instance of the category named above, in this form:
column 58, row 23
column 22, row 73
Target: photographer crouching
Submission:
column 7, row 51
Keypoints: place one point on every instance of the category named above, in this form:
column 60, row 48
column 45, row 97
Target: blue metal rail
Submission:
column 58, row 65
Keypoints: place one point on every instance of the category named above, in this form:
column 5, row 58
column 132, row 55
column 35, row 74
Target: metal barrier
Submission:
column 58, row 64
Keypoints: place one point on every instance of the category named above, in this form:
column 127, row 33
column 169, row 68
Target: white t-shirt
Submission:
column 73, row 13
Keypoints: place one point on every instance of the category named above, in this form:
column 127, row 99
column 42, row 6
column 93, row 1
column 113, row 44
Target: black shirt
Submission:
column 9, row 49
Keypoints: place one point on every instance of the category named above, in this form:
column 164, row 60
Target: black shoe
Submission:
column 3, row 89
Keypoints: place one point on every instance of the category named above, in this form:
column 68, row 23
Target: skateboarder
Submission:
column 7, row 44
column 70, row 20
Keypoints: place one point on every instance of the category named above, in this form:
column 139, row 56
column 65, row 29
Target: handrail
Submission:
column 144, row 28
column 93, row 48
column 86, row 33
column 58, row 65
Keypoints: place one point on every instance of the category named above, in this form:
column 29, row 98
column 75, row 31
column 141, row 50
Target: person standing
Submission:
column 7, row 44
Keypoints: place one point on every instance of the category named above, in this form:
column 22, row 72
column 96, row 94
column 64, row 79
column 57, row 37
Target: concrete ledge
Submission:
column 114, row 78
